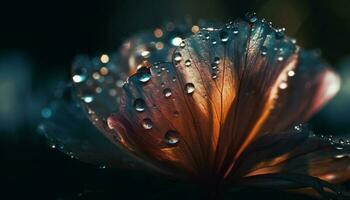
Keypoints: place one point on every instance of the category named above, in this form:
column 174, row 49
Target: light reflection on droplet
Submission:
column 167, row 92
column 339, row 156
column 189, row 88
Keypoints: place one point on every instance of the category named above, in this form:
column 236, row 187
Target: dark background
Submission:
column 39, row 39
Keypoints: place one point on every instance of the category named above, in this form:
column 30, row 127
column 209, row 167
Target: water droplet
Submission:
column 224, row 36
column 182, row 44
column 217, row 60
column 189, row 88
column 144, row 77
column 263, row 51
column 167, row 92
column 213, row 41
column 147, row 124
column 176, row 113
column 235, row 30
column 188, row 63
column 88, row 99
column 214, row 76
column 171, row 137
column 339, row 156
column 339, row 148
column 251, row 17
column 139, row 105
column 341, row 141
column 144, row 74
column 177, row 57
column 280, row 58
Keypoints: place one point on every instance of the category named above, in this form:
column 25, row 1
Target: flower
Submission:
column 222, row 106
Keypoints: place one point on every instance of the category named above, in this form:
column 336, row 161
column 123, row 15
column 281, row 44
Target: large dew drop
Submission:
column 144, row 74
column 139, row 105
column 147, row 124
column 224, row 36
column 167, row 92
column 251, row 17
column 178, row 57
column 171, row 137
column 188, row 63
column 217, row 60
column 189, row 88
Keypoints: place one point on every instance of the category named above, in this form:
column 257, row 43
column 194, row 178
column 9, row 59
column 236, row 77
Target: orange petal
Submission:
column 222, row 91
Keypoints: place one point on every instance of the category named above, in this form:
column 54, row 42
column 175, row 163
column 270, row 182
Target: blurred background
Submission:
column 39, row 40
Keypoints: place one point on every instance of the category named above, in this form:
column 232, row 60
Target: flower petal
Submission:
column 296, row 153
column 232, row 86
column 68, row 130
column 298, row 160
